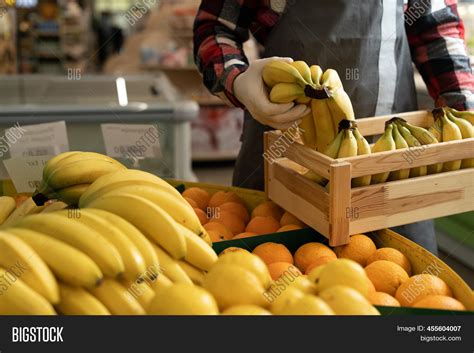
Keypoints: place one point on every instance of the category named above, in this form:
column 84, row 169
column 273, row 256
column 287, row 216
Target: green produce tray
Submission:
column 459, row 227
column 294, row 239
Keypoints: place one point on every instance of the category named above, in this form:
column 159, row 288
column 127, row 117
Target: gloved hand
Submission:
column 250, row 90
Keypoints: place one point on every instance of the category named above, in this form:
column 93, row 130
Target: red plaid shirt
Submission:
column 436, row 41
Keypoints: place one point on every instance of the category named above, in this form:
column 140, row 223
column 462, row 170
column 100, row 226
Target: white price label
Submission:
column 41, row 140
column 26, row 173
column 132, row 141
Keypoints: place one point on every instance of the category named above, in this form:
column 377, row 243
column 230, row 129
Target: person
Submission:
column 370, row 43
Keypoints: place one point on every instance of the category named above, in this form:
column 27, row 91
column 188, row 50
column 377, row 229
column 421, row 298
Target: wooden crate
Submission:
column 344, row 210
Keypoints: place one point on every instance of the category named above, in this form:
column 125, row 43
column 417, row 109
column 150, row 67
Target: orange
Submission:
column 359, row 249
column 419, row 287
column 323, row 260
column 370, row 285
column 199, row 195
column 439, row 302
column 231, row 249
column 288, row 218
column 309, row 252
column 223, row 232
column 386, row 276
column 221, row 197
column 391, row 254
column 267, row 209
column 231, row 221
column 201, row 215
column 263, row 225
column 288, row 227
column 277, row 269
column 273, row 252
column 215, row 235
column 245, row 235
column 191, row 202
column 237, row 208
column 382, row 299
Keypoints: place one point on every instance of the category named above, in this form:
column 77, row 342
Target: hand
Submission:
column 250, row 90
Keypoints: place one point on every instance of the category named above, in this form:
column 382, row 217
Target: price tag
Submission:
column 41, row 140
column 26, row 173
column 132, row 141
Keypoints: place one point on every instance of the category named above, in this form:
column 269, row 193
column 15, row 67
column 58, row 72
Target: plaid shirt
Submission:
column 436, row 41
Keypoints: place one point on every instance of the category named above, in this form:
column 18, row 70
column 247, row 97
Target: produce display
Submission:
column 130, row 244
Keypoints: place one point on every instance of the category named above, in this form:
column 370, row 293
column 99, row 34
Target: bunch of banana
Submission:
column 323, row 91
column 68, row 175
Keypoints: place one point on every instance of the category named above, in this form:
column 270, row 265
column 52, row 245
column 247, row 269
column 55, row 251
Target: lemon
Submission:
column 234, row 285
column 288, row 297
column 246, row 310
column 345, row 300
column 183, row 299
column 341, row 272
column 307, row 305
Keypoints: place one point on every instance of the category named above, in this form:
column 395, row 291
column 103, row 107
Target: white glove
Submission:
column 250, row 90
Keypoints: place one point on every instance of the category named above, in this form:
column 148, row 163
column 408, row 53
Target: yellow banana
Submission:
column 303, row 69
column 348, row 146
column 308, row 131
column 78, row 301
column 117, row 299
column 71, row 194
column 363, row 148
column 316, row 75
column 286, row 92
column 412, row 143
column 66, row 158
column 450, row 132
column 141, row 291
column 21, row 259
column 199, row 253
column 400, row 143
column 85, row 239
column 384, row 143
column 7, row 206
column 160, row 283
column 170, row 267
column 134, row 264
column 27, row 207
column 16, row 298
column 467, row 131
column 54, row 162
column 331, row 80
column 323, row 123
column 280, row 71
column 139, row 240
column 340, row 106
column 466, row 115
column 148, row 217
column 66, row 262
column 196, row 275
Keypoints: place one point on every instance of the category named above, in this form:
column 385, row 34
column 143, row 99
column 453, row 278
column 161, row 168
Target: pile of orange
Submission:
column 225, row 215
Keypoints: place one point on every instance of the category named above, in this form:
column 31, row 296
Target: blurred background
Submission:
column 96, row 62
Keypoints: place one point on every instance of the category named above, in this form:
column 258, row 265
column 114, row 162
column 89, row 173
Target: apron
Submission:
column 365, row 41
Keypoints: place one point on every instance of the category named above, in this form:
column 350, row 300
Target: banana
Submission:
column 21, row 259
column 199, row 253
column 80, row 172
column 205, row 236
column 66, row 262
column 16, row 298
column 331, row 80
column 363, row 148
column 308, row 133
column 286, row 92
column 412, row 143
column 340, row 106
column 316, row 75
column 348, row 146
column 117, row 299
column 450, row 132
column 54, row 162
column 54, row 206
column 151, row 219
column 435, row 129
column 71, row 194
column 122, row 178
column 384, row 143
column 72, row 157
column 466, row 115
column 400, row 143
column 467, row 131
column 303, row 69
column 280, row 71
column 85, row 239
column 78, row 301
column 160, row 283
column 134, row 264
column 27, row 207
column 323, row 123
column 139, row 240
column 170, row 267
column 196, row 275
column 176, row 207
column 7, row 206
column 141, row 291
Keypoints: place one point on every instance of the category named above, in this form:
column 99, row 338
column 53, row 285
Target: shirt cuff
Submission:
column 228, row 82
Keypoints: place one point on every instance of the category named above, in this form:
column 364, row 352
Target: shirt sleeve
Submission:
column 220, row 29
column 436, row 37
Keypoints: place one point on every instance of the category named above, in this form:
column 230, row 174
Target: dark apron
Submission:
column 365, row 42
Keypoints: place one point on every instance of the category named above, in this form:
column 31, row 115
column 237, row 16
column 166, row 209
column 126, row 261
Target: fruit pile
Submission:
column 382, row 276
column 225, row 215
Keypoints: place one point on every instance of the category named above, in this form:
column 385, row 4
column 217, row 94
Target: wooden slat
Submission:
column 298, row 153
column 340, row 201
column 409, row 158
column 376, row 125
